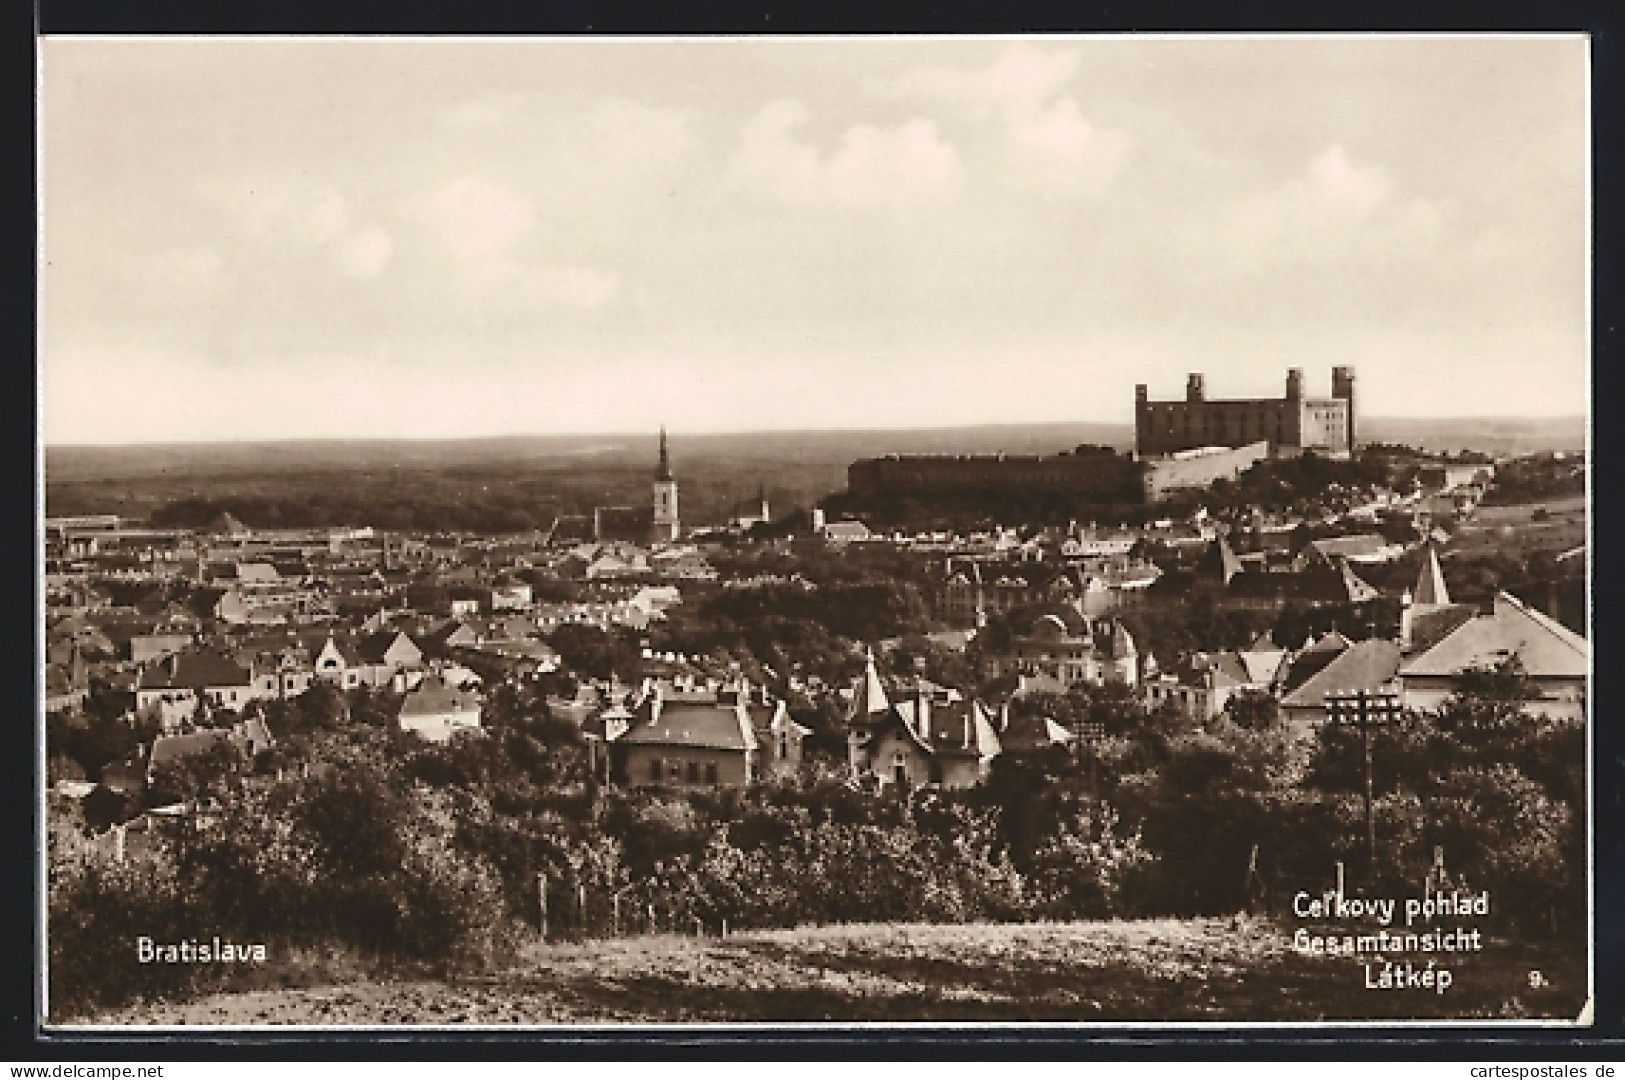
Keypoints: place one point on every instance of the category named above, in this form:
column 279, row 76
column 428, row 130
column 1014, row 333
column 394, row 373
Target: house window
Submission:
column 654, row 769
column 693, row 772
column 899, row 769
column 784, row 747
column 711, row 772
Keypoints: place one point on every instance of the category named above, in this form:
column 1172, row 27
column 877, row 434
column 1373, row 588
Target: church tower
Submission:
column 666, row 527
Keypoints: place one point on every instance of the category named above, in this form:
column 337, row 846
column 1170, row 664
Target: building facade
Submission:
column 1289, row 424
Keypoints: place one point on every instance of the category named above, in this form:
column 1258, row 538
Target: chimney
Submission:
column 1294, row 384
column 1405, row 616
column 1193, row 386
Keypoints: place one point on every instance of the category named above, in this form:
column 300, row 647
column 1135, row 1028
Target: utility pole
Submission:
column 1090, row 733
column 541, row 896
column 1365, row 708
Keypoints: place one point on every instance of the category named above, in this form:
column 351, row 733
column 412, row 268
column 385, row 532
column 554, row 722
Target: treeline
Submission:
column 435, row 857
column 483, row 499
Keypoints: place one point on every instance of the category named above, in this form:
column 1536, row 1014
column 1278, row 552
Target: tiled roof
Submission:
column 434, row 698
column 1027, row 733
column 680, row 723
column 1545, row 647
column 194, row 671
column 1429, row 626
column 1366, row 665
column 1362, row 545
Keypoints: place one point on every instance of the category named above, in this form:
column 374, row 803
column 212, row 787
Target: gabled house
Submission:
column 674, row 742
column 1201, row 686
column 1369, row 665
column 1554, row 658
column 372, row 661
column 177, row 684
column 1312, row 658
column 1063, row 647
column 778, row 737
column 933, row 736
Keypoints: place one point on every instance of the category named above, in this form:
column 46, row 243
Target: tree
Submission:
column 1255, row 710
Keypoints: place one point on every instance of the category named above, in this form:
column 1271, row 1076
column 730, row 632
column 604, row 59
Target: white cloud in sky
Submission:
column 1023, row 89
column 478, row 220
column 873, row 166
column 1333, row 210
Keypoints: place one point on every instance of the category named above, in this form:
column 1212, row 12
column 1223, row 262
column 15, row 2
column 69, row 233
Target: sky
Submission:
column 439, row 238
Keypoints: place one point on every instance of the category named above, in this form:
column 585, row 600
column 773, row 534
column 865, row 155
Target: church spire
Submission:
column 1430, row 587
column 664, row 472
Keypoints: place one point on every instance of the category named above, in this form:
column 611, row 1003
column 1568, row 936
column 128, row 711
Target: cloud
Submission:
column 1023, row 91
column 1335, row 209
column 873, row 166
column 364, row 255
column 478, row 220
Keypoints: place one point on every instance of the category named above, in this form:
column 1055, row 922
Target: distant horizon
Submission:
column 677, row 434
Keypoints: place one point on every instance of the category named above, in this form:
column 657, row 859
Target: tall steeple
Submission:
column 667, row 527
column 664, row 472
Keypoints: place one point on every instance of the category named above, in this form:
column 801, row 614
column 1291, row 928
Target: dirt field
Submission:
column 1168, row 970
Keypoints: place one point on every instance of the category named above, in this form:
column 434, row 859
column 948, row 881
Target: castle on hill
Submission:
column 1177, row 444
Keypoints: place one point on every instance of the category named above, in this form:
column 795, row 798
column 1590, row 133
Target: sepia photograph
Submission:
column 810, row 533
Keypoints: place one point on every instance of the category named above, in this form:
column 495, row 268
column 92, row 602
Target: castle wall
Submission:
column 1109, row 476
column 1171, row 474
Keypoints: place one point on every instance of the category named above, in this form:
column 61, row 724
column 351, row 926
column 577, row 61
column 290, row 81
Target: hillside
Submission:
column 1171, row 970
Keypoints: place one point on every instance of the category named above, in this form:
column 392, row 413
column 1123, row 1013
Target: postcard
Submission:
column 764, row 533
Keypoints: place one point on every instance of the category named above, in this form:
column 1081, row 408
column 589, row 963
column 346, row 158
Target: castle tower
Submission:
column 1343, row 387
column 666, row 524
column 1142, row 420
column 1194, row 390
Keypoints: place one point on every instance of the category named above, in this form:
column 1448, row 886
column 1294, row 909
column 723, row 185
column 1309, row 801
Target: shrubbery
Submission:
column 408, row 853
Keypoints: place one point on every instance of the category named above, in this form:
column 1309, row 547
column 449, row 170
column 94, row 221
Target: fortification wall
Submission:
column 1107, row 475
column 1172, row 474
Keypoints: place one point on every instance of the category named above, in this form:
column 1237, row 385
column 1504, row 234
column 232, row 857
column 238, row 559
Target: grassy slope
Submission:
column 1151, row 970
